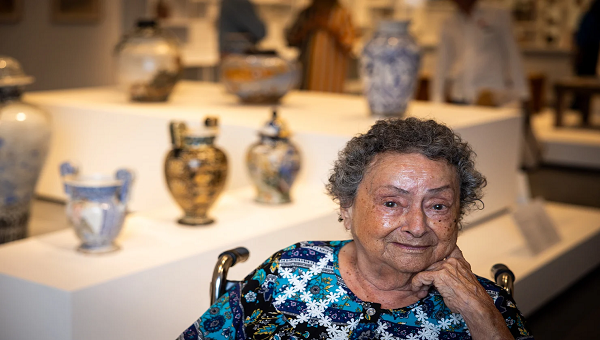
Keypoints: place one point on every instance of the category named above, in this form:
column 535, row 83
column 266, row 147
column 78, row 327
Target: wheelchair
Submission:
column 502, row 275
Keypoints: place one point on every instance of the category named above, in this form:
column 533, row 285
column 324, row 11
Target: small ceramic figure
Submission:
column 25, row 133
column 273, row 162
column 195, row 170
column 96, row 206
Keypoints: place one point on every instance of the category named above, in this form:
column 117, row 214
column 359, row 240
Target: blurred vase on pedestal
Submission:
column 25, row 133
column 273, row 162
column 195, row 170
column 389, row 67
column 148, row 63
column 96, row 206
column 260, row 77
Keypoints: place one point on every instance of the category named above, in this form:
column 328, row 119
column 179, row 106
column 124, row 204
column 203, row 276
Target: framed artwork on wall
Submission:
column 11, row 11
column 75, row 11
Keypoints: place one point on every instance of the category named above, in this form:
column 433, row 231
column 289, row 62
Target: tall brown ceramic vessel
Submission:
column 195, row 170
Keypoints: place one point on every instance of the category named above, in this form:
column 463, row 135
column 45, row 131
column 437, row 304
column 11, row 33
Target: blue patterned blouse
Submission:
column 299, row 293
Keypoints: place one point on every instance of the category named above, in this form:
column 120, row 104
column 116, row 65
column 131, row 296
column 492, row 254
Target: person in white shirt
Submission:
column 478, row 59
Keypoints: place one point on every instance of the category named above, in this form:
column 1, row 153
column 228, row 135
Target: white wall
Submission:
column 61, row 55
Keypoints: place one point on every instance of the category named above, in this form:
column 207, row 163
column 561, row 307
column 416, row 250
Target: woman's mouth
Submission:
column 412, row 248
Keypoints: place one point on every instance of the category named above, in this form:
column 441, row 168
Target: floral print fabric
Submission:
column 298, row 293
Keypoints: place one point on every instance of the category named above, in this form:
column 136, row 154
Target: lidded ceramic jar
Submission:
column 273, row 162
column 96, row 206
column 260, row 77
column 390, row 64
column 148, row 63
column 195, row 169
column 25, row 133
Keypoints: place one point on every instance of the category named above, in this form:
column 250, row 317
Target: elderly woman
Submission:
column 403, row 189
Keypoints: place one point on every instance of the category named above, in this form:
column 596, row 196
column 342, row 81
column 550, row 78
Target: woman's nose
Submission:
column 415, row 222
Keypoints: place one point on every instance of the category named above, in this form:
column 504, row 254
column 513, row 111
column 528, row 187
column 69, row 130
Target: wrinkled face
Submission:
column 405, row 214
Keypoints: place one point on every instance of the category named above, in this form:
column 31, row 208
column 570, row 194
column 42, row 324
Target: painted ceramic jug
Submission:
column 390, row 63
column 96, row 206
column 195, row 170
column 25, row 133
column 273, row 162
column 148, row 63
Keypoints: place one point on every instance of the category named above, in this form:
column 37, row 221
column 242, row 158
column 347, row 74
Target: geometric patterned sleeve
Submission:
column 505, row 303
column 245, row 311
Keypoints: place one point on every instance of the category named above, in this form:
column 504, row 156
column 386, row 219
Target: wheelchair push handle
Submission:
column 504, row 277
column 239, row 254
column 227, row 259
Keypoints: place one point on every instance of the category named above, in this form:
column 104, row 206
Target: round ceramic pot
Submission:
column 96, row 206
column 25, row 133
column 260, row 77
column 389, row 67
column 148, row 63
column 195, row 170
column 273, row 163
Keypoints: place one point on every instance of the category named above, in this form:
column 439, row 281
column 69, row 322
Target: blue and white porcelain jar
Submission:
column 24, row 141
column 96, row 206
column 389, row 66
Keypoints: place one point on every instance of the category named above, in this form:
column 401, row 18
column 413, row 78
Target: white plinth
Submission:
column 155, row 286
column 102, row 131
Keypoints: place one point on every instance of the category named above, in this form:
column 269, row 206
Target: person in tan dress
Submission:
column 325, row 35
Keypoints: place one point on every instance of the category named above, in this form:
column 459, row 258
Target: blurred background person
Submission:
column 325, row 36
column 587, row 42
column 240, row 28
column 586, row 48
column 478, row 60
column 479, row 63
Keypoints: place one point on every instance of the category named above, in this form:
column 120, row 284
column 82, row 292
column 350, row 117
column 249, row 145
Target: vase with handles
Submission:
column 389, row 68
column 25, row 133
column 273, row 162
column 195, row 169
column 96, row 206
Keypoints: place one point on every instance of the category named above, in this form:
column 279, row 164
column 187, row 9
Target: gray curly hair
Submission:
column 411, row 135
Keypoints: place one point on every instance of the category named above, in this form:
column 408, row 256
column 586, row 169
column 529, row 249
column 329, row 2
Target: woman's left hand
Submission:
column 462, row 293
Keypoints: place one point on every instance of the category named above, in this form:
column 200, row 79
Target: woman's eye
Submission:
column 390, row 204
column 438, row 207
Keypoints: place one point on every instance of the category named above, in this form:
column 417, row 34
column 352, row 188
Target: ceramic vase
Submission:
column 195, row 170
column 389, row 67
column 148, row 63
column 273, row 162
column 96, row 206
column 25, row 133
column 259, row 77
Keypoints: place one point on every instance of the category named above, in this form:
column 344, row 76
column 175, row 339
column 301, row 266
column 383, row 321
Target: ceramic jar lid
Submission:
column 11, row 73
column 275, row 128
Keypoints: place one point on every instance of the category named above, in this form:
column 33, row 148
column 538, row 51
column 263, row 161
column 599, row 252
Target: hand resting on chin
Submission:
column 462, row 293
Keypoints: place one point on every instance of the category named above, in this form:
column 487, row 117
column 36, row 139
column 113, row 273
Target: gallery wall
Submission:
column 63, row 55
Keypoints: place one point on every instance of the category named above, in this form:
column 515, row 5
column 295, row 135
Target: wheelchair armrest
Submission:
column 227, row 259
column 504, row 277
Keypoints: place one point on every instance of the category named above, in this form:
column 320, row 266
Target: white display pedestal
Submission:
column 157, row 285
column 102, row 131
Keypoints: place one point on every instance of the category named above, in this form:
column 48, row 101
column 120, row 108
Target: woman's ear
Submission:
column 346, row 216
